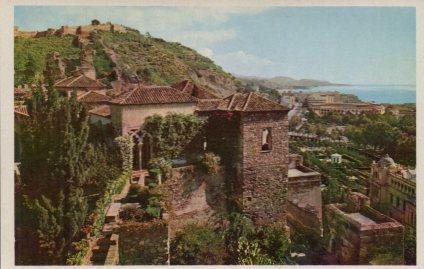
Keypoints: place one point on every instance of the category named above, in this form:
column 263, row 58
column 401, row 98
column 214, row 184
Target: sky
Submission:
column 353, row 45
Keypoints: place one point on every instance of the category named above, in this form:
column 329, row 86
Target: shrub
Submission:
column 132, row 213
column 125, row 144
column 209, row 163
column 160, row 166
column 198, row 244
column 171, row 134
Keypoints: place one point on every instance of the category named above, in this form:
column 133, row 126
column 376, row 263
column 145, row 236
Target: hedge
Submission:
column 81, row 247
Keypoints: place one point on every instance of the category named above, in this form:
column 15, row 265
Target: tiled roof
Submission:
column 103, row 111
column 21, row 110
column 246, row 102
column 208, row 104
column 93, row 97
column 192, row 89
column 80, row 81
column 143, row 95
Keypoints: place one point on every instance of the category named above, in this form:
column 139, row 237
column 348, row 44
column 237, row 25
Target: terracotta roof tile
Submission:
column 103, row 111
column 80, row 81
column 93, row 97
column 143, row 95
column 246, row 102
column 208, row 104
column 192, row 89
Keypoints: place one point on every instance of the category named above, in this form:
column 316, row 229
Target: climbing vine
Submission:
column 172, row 133
column 125, row 144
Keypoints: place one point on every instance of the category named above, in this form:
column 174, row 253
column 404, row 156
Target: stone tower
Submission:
column 255, row 144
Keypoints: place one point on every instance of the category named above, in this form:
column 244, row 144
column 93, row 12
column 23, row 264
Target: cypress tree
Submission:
column 52, row 208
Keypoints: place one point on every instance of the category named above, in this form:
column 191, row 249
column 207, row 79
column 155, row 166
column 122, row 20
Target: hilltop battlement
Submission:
column 81, row 31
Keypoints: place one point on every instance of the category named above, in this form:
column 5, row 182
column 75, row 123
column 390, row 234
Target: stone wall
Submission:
column 354, row 241
column 305, row 203
column 83, row 30
column 264, row 172
column 193, row 197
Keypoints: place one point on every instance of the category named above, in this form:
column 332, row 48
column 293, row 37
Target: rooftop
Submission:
column 295, row 172
column 190, row 88
column 363, row 220
column 143, row 95
column 243, row 102
column 103, row 111
column 93, row 97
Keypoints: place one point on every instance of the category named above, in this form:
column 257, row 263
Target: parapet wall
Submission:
column 356, row 240
column 82, row 31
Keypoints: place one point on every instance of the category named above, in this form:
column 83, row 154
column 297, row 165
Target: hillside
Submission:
column 30, row 55
column 128, row 56
column 281, row 82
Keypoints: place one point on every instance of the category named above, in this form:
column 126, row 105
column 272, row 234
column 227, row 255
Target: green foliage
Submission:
column 114, row 187
column 172, row 133
column 249, row 253
column 79, row 250
column 101, row 61
column 155, row 60
column 410, row 245
column 125, row 144
column 198, row 245
column 52, row 70
column 294, row 122
column 132, row 213
column 53, row 169
column 247, row 244
column 30, row 55
column 209, row 163
column 160, row 166
column 143, row 243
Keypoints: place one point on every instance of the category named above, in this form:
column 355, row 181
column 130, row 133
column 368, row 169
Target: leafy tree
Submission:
column 52, row 70
column 31, row 72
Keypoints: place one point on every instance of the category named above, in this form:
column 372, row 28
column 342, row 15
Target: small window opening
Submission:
column 266, row 139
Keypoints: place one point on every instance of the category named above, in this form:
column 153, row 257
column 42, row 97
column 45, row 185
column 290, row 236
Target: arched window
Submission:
column 266, row 139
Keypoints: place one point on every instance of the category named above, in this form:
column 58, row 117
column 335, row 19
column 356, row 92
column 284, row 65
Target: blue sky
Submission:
column 361, row 45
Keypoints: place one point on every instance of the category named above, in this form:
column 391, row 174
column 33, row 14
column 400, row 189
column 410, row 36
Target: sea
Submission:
column 387, row 94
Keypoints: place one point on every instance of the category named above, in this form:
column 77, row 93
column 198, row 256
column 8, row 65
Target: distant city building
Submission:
column 359, row 234
column 346, row 108
column 336, row 158
column 288, row 99
column 393, row 190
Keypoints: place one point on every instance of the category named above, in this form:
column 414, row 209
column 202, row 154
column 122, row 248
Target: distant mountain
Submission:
column 281, row 82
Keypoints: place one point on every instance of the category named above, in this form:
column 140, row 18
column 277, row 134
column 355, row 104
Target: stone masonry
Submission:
column 264, row 172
